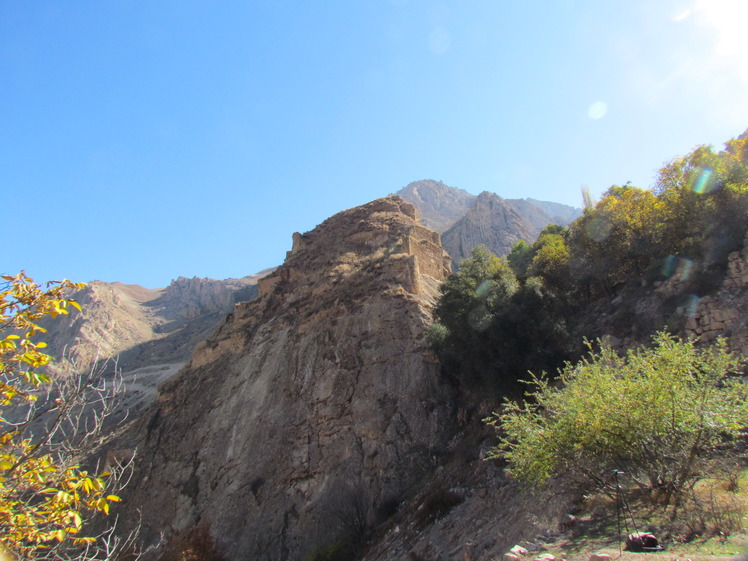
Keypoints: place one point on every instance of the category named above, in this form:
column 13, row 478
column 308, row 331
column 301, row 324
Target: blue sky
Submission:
column 143, row 140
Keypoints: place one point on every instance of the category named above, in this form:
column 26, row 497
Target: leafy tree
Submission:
column 616, row 240
column 45, row 496
column 491, row 328
column 551, row 260
column 664, row 415
column 520, row 258
column 705, row 198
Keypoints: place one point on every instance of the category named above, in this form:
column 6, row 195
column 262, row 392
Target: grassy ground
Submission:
column 710, row 526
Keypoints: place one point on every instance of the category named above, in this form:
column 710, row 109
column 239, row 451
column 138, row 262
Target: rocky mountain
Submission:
column 440, row 206
column 146, row 334
column 560, row 214
column 315, row 414
column 466, row 221
column 491, row 221
column 313, row 410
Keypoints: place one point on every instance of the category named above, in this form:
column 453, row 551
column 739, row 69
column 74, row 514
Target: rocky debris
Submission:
column 517, row 552
column 599, row 557
column 312, row 409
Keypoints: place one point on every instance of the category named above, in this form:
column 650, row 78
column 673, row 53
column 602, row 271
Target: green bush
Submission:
column 664, row 415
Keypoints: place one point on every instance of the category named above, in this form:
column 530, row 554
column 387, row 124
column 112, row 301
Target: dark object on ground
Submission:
column 642, row 541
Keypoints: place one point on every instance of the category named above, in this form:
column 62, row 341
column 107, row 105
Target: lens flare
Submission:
column 439, row 41
column 597, row 110
column 693, row 303
column 482, row 290
column 685, row 267
column 703, row 183
column 599, row 228
column 479, row 319
column 669, row 266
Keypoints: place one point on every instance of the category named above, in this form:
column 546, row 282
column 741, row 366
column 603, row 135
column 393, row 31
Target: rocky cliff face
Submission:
column 490, row 221
column 313, row 409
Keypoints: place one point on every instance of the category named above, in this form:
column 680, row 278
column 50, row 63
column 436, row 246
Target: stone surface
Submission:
column 491, row 221
column 724, row 313
column 439, row 205
column 316, row 404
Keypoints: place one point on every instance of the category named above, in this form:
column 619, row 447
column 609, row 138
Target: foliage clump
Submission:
column 665, row 415
column 492, row 325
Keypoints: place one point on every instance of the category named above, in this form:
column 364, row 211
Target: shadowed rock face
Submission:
column 312, row 407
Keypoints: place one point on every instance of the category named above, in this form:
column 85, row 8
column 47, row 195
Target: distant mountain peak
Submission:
column 466, row 220
column 439, row 205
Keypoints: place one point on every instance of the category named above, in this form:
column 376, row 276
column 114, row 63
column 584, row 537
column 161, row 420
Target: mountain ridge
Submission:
column 467, row 220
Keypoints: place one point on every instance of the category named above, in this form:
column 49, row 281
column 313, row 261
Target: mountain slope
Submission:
column 146, row 334
column 439, row 205
column 313, row 409
column 490, row 221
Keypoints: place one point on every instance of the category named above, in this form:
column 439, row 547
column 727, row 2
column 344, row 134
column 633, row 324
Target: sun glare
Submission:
column 728, row 18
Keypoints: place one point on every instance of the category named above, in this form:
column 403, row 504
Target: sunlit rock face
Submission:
column 440, row 205
column 311, row 405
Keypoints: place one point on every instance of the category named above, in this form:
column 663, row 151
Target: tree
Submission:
column 616, row 240
column 45, row 496
column 664, row 415
column 491, row 328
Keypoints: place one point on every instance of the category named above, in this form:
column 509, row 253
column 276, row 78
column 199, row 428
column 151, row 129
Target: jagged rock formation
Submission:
column 313, row 409
column 144, row 326
column 490, row 221
column 467, row 221
column 558, row 213
column 146, row 334
column 440, row 206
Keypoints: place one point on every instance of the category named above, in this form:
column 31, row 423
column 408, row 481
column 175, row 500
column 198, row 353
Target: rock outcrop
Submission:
column 724, row 313
column 440, row 205
column 490, row 221
column 314, row 408
column 467, row 221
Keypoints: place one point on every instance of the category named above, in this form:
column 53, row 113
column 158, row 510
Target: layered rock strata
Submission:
column 313, row 409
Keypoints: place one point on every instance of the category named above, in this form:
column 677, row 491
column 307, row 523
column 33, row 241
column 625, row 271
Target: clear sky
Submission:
column 141, row 140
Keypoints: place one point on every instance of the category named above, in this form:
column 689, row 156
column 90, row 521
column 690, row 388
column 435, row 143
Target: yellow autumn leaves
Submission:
column 44, row 496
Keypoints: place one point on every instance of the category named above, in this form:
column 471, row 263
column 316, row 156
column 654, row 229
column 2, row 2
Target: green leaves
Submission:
column 663, row 414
